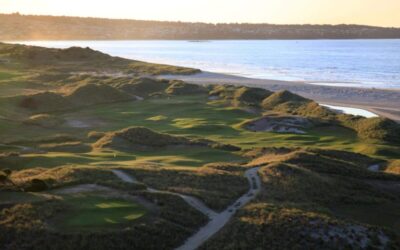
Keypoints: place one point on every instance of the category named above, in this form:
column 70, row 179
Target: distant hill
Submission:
column 31, row 27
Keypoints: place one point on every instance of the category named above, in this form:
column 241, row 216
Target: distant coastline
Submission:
column 340, row 63
column 13, row 27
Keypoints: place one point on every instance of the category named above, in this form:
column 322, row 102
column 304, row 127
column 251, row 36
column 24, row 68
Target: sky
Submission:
column 369, row 12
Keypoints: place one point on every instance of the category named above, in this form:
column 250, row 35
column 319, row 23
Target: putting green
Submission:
column 90, row 212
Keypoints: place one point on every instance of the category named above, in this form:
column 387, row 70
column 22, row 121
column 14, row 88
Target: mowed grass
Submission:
column 169, row 157
column 195, row 116
column 4, row 75
column 178, row 157
column 192, row 116
column 91, row 212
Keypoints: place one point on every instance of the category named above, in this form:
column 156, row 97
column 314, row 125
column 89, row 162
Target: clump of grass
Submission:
column 89, row 94
column 138, row 67
column 181, row 88
column 44, row 102
column 222, row 91
column 142, row 87
column 70, row 175
column 281, row 97
column 141, row 138
column 284, row 226
column 367, row 128
column 82, row 60
column 377, row 128
column 250, row 96
column 207, row 183
column 393, row 167
column 239, row 96
column 95, row 135
column 289, row 103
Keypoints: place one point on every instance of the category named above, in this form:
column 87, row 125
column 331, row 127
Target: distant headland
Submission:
column 35, row 27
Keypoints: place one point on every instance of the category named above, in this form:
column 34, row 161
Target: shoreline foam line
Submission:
column 350, row 111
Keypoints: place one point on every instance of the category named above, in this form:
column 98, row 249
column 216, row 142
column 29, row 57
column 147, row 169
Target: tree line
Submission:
column 26, row 27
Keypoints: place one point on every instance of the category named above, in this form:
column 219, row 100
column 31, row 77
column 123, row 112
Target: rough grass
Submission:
column 309, row 186
column 307, row 202
column 250, row 96
column 282, row 97
column 76, row 59
column 71, row 175
column 209, row 182
column 140, row 139
column 182, row 88
column 159, row 69
column 289, row 227
column 139, row 136
column 335, row 182
column 217, row 124
column 142, row 87
column 393, row 167
column 377, row 128
column 34, row 225
column 89, row 94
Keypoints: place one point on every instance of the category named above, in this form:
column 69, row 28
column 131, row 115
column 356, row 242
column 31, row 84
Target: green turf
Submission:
column 191, row 116
column 6, row 75
column 91, row 212
column 69, row 147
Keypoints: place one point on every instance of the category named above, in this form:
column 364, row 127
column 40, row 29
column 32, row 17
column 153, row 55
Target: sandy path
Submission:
column 192, row 201
column 220, row 220
column 124, row 177
column 217, row 220
column 374, row 168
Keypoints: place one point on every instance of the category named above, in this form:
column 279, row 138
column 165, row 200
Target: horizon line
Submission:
column 200, row 22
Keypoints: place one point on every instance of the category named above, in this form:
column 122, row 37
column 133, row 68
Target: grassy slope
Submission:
column 302, row 194
column 49, row 142
column 189, row 116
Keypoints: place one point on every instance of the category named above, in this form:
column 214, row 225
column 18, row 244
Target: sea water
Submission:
column 353, row 63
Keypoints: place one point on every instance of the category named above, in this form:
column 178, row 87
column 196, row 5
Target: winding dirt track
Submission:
column 220, row 220
column 217, row 220
column 192, row 201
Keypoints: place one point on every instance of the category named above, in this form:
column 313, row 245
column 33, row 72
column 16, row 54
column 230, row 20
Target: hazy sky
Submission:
column 371, row 12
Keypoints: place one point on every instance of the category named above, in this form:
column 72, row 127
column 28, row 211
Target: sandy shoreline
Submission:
column 384, row 102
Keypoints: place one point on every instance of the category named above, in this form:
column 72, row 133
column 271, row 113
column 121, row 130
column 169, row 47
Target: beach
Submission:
column 331, row 72
column 383, row 102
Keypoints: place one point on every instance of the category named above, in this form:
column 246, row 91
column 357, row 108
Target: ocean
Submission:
column 347, row 63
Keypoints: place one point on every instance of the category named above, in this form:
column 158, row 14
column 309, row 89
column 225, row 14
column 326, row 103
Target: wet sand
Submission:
column 384, row 102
